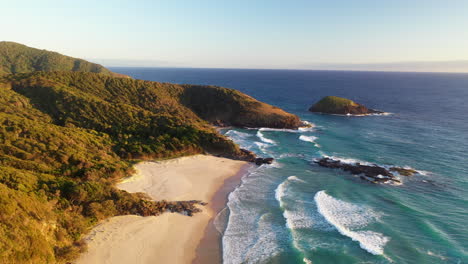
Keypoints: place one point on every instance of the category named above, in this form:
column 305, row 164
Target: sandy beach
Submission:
column 171, row 237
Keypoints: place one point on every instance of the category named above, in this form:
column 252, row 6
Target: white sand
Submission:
column 169, row 238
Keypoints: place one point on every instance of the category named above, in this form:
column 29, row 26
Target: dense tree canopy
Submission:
column 18, row 58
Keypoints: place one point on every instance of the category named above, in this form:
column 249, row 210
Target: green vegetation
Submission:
column 230, row 107
column 67, row 137
column 333, row 103
column 144, row 119
column 18, row 58
column 71, row 129
column 56, row 182
column 340, row 106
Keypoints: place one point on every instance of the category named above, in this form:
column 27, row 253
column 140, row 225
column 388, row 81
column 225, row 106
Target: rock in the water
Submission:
column 341, row 106
column 260, row 161
column 403, row 171
column 374, row 173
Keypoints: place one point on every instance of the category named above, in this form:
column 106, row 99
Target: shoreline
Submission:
column 170, row 237
column 209, row 249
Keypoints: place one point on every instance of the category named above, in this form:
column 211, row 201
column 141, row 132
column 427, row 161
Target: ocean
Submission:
column 295, row 211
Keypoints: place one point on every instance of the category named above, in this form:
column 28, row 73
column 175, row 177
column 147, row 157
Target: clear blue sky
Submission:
column 242, row 34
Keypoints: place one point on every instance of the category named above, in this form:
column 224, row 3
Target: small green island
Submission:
column 341, row 106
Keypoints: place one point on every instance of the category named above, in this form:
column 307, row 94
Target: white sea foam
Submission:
column 277, row 129
column 264, row 139
column 307, row 127
column 279, row 192
column 262, row 146
column 349, row 160
column 288, row 130
column 293, row 220
column 349, row 219
column 240, row 138
column 251, row 235
column 294, row 178
column 425, row 173
column 237, row 134
column 308, row 138
column 298, row 215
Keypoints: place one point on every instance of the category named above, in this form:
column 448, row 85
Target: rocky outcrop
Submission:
column 228, row 107
column 249, row 156
column 260, row 161
column 341, row 106
column 372, row 173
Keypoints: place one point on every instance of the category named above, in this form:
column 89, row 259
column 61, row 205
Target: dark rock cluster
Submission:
column 372, row 173
column 260, row 161
column 249, row 156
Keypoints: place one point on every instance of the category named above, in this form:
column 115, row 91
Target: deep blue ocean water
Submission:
column 297, row 212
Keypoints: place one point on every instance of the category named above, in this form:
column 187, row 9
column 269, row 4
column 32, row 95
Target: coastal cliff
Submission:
column 68, row 136
column 229, row 107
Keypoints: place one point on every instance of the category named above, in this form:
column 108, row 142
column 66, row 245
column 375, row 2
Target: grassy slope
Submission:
column 18, row 58
column 66, row 137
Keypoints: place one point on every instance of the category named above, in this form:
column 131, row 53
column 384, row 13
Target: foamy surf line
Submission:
column 310, row 139
column 264, row 139
column 294, row 220
column 345, row 216
column 306, row 128
column 250, row 235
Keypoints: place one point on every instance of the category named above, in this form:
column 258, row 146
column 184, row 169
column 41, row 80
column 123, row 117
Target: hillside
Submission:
column 18, row 58
column 67, row 137
column 228, row 107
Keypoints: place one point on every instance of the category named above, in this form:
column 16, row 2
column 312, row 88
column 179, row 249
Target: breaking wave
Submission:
column 349, row 219
column 310, row 139
column 264, row 139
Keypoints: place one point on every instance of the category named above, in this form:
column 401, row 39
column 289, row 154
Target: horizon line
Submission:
column 287, row 69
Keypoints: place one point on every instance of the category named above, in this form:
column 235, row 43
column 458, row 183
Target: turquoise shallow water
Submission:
column 297, row 212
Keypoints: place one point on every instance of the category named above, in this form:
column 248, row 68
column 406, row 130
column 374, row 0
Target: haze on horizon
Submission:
column 396, row 35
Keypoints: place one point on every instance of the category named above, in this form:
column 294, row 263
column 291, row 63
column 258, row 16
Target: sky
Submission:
column 287, row 34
